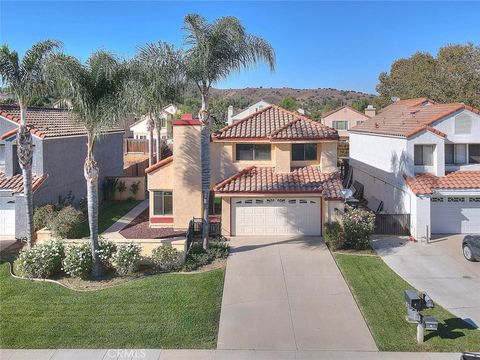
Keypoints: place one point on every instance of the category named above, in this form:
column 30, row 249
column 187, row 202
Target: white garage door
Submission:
column 7, row 218
column 275, row 216
column 455, row 215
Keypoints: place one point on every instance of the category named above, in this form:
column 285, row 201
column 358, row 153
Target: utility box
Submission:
column 413, row 300
column 430, row 323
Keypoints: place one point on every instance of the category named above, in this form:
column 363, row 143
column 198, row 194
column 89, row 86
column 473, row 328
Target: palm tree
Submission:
column 26, row 79
column 94, row 91
column 216, row 50
column 157, row 79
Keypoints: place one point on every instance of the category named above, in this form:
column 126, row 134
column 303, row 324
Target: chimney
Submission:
column 230, row 115
column 370, row 111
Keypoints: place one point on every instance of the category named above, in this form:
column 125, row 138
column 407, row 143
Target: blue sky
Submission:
column 341, row 45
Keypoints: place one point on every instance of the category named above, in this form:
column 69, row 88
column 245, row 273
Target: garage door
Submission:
column 455, row 215
column 7, row 218
column 276, row 216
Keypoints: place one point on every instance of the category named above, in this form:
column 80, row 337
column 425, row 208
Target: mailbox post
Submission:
column 418, row 301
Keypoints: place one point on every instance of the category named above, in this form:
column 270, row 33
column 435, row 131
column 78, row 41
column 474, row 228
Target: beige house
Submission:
column 345, row 118
column 272, row 173
column 139, row 128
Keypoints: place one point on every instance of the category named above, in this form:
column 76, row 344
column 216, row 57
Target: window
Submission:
column 162, row 203
column 474, row 153
column 253, row 152
column 423, row 155
column 302, row 152
column 359, row 122
column 216, row 205
column 2, row 154
column 463, row 124
column 340, row 124
column 455, row 154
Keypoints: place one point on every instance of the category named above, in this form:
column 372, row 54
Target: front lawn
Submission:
column 161, row 311
column 379, row 293
column 108, row 213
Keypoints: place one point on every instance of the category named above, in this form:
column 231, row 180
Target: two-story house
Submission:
column 139, row 128
column 422, row 158
column 344, row 118
column 272, row 173
column 58, row 157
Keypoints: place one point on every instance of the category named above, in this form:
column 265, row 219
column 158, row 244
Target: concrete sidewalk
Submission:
column 288, row 294
column 113, row 232
column 157, row 354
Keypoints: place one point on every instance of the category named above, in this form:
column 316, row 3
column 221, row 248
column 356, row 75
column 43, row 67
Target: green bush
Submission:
column 78, row 261
column 42, row 215
column 198, row 257
column 106, row 250
column 358, row 226
column 167, row 258
column 334, row 235
column 42, row 261
column 64, row 222
column 127, row 259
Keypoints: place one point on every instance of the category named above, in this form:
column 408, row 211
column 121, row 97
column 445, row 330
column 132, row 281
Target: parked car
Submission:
column 471, row 247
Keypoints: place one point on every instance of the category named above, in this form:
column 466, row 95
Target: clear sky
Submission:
column 341, row 45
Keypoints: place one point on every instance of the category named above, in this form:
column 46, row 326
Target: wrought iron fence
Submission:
column 392, row 224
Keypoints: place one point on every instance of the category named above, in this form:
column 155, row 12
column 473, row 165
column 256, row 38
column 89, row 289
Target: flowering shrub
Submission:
column 106, row 250
column 358, row 226
column 78, row 261
column 43, row 260
column 334, row 235
column 127, row 259
column 167, row 258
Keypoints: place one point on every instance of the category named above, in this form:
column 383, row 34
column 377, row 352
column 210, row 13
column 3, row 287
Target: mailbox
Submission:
column 428, row 301
column 430, row 323
column 413, row 299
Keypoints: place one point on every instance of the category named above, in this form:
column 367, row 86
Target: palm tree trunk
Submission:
column 150, row 126
column 91, row 175
column 159, row 144
column 25, row 155
column 205, row 159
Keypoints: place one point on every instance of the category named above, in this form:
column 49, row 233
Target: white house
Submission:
column 139, row 128
column 259, row 105
column 422, row 158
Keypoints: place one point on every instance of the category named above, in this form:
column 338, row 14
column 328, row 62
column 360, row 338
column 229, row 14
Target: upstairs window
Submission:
column 261, row 152
column 162, row 203
column 463, row 124
column 302, row 152
column 423, row 155
column 340, row 124
column 360, row 122
column 2, row 155
column 455, row 154
column 474, row 153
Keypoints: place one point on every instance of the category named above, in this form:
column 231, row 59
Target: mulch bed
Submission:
column 139, row 229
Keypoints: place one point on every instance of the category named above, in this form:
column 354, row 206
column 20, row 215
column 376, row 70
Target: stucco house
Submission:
column 422, row 158
column 139, row 128
column 58, row 157
column 272, row 173
column 253, row 108
column 344, row 118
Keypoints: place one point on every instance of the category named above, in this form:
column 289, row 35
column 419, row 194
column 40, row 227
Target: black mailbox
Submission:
column 430, row 323
column 413, row 299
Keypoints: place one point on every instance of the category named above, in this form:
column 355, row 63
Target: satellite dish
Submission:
column 395, row 98
column 346, row 193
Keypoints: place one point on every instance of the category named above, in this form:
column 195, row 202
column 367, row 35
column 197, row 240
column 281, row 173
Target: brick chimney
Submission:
column 370, row 111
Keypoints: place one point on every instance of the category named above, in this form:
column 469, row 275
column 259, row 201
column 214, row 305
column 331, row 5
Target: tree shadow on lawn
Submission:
column 449, row 329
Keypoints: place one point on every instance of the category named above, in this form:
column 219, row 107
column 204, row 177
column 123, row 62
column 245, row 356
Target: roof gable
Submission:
column 334, row 111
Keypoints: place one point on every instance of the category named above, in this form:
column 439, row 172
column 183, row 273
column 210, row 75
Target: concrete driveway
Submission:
column 439, row 269
column 288, row 294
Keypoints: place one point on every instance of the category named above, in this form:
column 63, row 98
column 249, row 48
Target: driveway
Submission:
column 439, row 269
column 288, row 294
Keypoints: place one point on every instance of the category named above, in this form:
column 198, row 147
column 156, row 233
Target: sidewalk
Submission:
column 157, row 354
column 113, row 232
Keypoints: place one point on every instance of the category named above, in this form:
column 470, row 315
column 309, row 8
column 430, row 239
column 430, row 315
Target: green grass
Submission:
column 109, row 213
column 379, row 293
column 161, row 311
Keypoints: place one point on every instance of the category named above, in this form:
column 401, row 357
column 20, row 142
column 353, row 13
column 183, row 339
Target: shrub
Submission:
column 358, row 226
column 78, row 261
column 121, row 187
column 106, row 250
column 198, row 257
column 135, row 187
column 43, row 260
column 42, row 215
column 127, row 259
column 334, row 235
column 167, row 258
column 64, row 222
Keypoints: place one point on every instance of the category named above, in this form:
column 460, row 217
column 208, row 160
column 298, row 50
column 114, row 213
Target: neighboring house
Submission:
column 259, row 105
column 272, row 173
column 58, row 158
column 345, row 117
column 422, row 158
column 139, row 128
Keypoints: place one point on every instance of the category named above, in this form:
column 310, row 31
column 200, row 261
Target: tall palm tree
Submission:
column 216, row 50
column 26, row 79
column 94, row 90
column 157, row 78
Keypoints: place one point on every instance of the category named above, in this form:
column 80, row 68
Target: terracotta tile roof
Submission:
column 15, row 183
column 423, row 184
column 159, row 164
column 264, row 180
column 47, row 122
column 8, row 134
column 274, row 123
column 408, row 117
